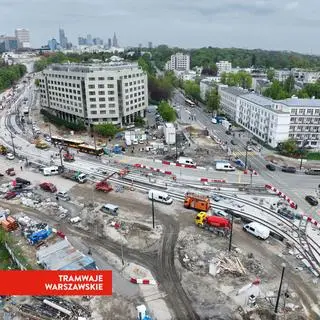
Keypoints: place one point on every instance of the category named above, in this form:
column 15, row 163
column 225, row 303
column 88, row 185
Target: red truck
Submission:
column 103, row 186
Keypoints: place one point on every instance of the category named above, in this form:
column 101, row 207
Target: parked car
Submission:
column 228, row 132
column 48, row 186
column 233, row 142
column 312, row 200
column 10, row 156
column 63, row 195
column 10, row 172
column 289, row 169
column 10, row 195
column 271, row 167
column 23, row 181
column 257, row 229
column 216, row 198
column 253, row 143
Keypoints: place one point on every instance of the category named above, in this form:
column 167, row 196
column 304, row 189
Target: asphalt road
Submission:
column 296, row 186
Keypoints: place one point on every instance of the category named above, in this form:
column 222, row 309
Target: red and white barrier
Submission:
column 212, row 180
column 142, row 166
column 143, row 281
column 312, row 221
column 254, row 172
column 292, row 204
column 174, row 164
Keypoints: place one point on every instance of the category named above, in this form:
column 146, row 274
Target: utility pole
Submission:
column 230, row 237
column 13, row 148
column 152, row 200
column 279, row 291
column 176, row 146
column 246, row 159
column 122, row 259
column 50, row 131
column 251, row 178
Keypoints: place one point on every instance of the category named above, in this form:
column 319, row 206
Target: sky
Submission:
column 267, row 24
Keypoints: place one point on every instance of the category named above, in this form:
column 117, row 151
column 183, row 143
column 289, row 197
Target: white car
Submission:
column 48, row 139
column 135, row 141
column 10, row 156
column 249, row 148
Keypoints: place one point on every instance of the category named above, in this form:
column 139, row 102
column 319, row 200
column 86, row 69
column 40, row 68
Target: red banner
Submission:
column 56, row 283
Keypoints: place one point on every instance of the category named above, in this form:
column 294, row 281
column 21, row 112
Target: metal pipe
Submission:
column 231, row 229
column 152, row 201
column 279, row 291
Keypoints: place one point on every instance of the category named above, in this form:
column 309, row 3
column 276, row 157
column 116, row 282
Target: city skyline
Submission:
column 265, row 24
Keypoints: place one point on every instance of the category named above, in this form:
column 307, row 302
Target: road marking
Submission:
column 243, row 153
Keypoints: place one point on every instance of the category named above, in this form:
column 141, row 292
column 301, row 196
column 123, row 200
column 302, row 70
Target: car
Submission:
column 228, row 132
column 230, row 212
column 253, row 143
column 135, row 141
column 248, row 148
column 312, row 200
column 48, row 186
column 233, row 142
column 48, row 139
column 10, row 195
column 141, row 141
column 271, row 167
column 10, row 156
column 216, row 198
column 288, row 169
column 23, row 181
column 63, row 195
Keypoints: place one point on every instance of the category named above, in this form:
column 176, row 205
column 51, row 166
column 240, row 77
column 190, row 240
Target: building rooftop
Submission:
column 235, row 90
column 295, row 102
column 260, row 100
column 86, row 68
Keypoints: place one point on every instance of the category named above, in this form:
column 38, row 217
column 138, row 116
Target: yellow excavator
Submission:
column 40, row 144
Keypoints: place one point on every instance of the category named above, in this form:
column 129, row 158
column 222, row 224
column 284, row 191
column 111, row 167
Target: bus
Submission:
column 189, row 103
column 98, row 151
column 67, row 142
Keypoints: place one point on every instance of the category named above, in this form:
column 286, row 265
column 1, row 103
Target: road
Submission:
column 296, row 186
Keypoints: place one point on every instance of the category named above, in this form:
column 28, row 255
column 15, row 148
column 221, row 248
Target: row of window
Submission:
column 100, row 78
column 56, row 94
column 64, row 84
column 64, row 90
column 103, row 112
column 129, row 76
column 103, row 105
column 101, row 93
column 70, row 102
column 100, row 86
column 63, row 76
column 126, row 84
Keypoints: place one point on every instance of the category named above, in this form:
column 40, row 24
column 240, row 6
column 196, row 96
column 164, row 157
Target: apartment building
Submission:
column 113, row 93
column 273, row 121
column 23, row 37
column 224, row 66
column 179, row 62
column 304, row 120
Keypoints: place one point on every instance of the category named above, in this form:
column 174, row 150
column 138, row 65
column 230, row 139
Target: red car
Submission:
column 10, row 195
column 48, row 186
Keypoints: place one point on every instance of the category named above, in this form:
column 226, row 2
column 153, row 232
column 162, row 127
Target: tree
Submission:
column 37, row 82
column 288, row 85
column 210, row 70
column 289, row 146
column 146, row 64
column 270, row 74
column 139, row 122
column 212, row 100
column 276, row 91
column 192, row 89
column 240, row 79
column 167, row 112
column 106, row 129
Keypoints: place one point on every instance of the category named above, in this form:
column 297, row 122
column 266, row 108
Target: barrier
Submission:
column 212, row 180
column 254, row 172
column 143, row 281
column 142, row 166
column 292, row 204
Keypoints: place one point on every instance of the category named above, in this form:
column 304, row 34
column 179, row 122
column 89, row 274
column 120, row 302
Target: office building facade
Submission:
column 178, row 62
column 23, row 37
column 95, row 94
column 224, row 66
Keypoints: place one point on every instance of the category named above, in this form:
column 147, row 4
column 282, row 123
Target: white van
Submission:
column 257, row 229
column 50, row 171
column 186, row 161
column 159, row 196
column 224, row 166
column 75, row 219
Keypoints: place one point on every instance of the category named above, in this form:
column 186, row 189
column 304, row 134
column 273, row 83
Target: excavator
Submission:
column 104, row 186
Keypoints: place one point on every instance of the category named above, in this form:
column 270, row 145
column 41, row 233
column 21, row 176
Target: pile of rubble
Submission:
column 226, row 264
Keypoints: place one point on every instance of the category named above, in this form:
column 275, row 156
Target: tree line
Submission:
column 9, row 75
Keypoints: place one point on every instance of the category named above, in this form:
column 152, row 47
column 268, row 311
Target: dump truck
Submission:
column 68, row 157
column 10, row 224
column 39, row 235
column 75, row 176
column 3, row 150
column 213, row 223
column 197, row 202
column 40, row 144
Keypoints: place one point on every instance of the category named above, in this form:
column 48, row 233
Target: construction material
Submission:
column 10, row 224
column 197, row 202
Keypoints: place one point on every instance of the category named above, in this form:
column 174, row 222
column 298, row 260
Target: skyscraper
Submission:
column 89, row 40
column 63, row 39
column 150, row 45
column 115, row 41
column 23, row 37
column 82, row 41
column 109, row 43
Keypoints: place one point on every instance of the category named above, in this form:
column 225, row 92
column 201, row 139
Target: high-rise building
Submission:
column 97, row 41
column 23, row 37
column 53, row 44
column 82, row 41
column 109, row 43
column 179, row 62
column 224, row 66
column 150, row 45
column 63, row 39
column 8, row 43
column 89, row 40
column 140, row 45
column 100, row 93
column 115, row 41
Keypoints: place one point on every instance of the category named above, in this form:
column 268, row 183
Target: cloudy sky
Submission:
column 268, row 24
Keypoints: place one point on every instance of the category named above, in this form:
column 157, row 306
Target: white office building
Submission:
column 23, row 37
column 304, row 120
column 179, row 62
column 281, row 75
column 113, row 93
column 273, row 121
column 224, row 66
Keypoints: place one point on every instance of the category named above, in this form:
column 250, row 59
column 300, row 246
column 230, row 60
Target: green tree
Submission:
column 192, row 89
column 167, row 112
column 276, row 91
column 139, row 122
column 288, row 85
column 106, row 129
column 213, row 100
column 270, row 74
column 289, row 146
column 37, row 82
column 146, row 64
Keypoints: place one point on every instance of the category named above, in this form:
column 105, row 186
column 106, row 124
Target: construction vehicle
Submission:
column 40, row 144
column 68, row 157
column 3, row 150
column 103, row 186
column 197, row 202
column 10, row 172
column 75, row 176
column 213, row 223
column 9, row 224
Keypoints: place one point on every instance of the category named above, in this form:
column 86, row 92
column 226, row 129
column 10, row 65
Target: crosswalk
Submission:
column 243, row 153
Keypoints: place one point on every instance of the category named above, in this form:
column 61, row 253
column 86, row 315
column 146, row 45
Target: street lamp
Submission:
column 13, row 148
column 231, row 229
column 279, row 291
column 246, row 159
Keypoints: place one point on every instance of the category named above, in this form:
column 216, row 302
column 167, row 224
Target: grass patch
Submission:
column 313, row 156
column 5, row 259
